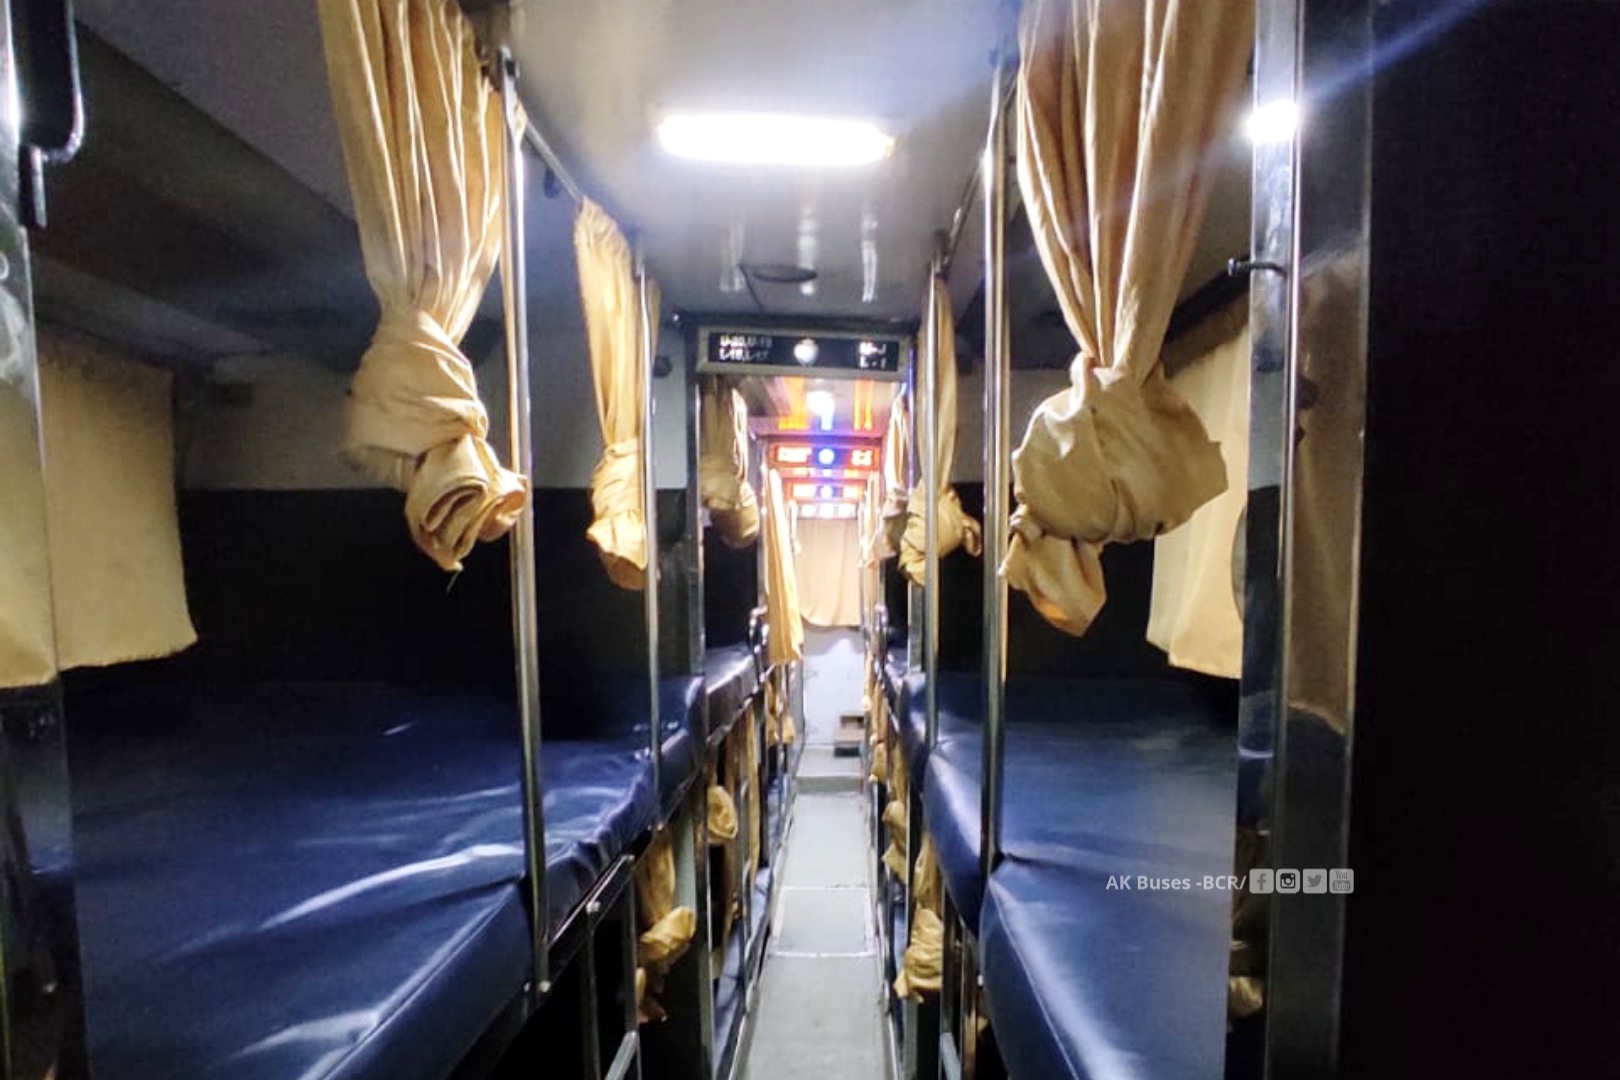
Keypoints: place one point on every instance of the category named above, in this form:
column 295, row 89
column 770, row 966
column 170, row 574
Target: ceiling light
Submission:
column 766, row 139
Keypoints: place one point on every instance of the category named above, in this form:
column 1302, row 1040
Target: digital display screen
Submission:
column 809, row 351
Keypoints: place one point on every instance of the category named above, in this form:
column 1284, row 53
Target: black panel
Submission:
column 587, row 623
column 1115, row 646
column 730, row 590
column 319, row 585
column 1484, row 938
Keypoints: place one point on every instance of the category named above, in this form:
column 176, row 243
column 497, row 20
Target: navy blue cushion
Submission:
column 1087, row 760
column 319, row 880
column 730, row 679
column 1084, row 981
column 960, row 703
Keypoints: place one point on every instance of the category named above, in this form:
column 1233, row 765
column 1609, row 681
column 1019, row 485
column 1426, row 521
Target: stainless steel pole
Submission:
column 997, row 376
column 649, row 514
column 931, row 486
column 525, row 624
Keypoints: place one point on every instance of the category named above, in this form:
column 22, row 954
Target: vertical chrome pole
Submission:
column 649, row 514
column 997, row 375
column 931, row 483
column 525, row 624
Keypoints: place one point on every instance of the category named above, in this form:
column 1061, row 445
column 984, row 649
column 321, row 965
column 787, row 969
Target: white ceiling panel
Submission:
column 597, row 75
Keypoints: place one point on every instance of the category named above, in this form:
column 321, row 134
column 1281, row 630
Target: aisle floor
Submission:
column 820, row 1001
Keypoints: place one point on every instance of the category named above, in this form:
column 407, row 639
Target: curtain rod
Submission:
column 952, row 239
column 554, row 166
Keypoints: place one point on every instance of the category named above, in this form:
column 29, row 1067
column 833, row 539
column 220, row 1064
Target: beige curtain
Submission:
column 116, row 574
column 872, row 523
column 723, row 465
column 611, row 297
column 955, row 529
column 1120, row 108
column 922, row 966
column 782, row 613
column 1194, row 614
column 666, row 930
column 422, row 136
column 27, row 636
column 896, row 455
column 828, row 561
column 780, row 727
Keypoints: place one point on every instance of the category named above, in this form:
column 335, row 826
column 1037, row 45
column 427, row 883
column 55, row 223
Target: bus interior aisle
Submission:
column 876, row 539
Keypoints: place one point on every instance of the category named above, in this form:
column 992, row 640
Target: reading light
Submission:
column 1272, row 123
column 766, row 139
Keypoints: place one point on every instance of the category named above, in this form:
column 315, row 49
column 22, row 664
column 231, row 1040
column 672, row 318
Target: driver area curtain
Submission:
column 828, row 563
column 423, row 142
column 1120, row 106
column 723, row 485
column 955, row 528
column 610, row 294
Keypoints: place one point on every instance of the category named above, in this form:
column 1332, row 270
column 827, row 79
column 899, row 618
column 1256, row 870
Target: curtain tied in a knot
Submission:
column 723, row 485
column 732, row 505
column 956, row 529
column 722, row 815
column 414, row 421
column 619, row 531
column 666, row 930
column 1117, row 107
column 1110, row 459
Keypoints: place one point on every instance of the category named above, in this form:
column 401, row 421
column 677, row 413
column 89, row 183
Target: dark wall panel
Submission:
column 1483, row 938
column 730, row 590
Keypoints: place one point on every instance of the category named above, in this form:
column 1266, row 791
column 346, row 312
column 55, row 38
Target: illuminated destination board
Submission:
column 790, row 349
column 803, row 455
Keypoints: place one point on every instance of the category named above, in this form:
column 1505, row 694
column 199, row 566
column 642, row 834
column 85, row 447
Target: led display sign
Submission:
column 794, row 350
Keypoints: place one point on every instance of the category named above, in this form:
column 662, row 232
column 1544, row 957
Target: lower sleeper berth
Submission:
column 321, row 880
column 1105, row 780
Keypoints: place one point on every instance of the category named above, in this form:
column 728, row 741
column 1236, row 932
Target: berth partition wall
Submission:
column 1037, row 791
column 41, row 989
column 308, row 843
column 313, row 843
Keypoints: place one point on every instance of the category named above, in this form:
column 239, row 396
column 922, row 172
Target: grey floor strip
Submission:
column 821, row 996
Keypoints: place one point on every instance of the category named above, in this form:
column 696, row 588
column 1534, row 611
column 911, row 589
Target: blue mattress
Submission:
column 1127, row 779
column 319, row 880
column 1083, row 981
column 960, row 704
column 1137, row 760
column 730, row 679
column 613, row 709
